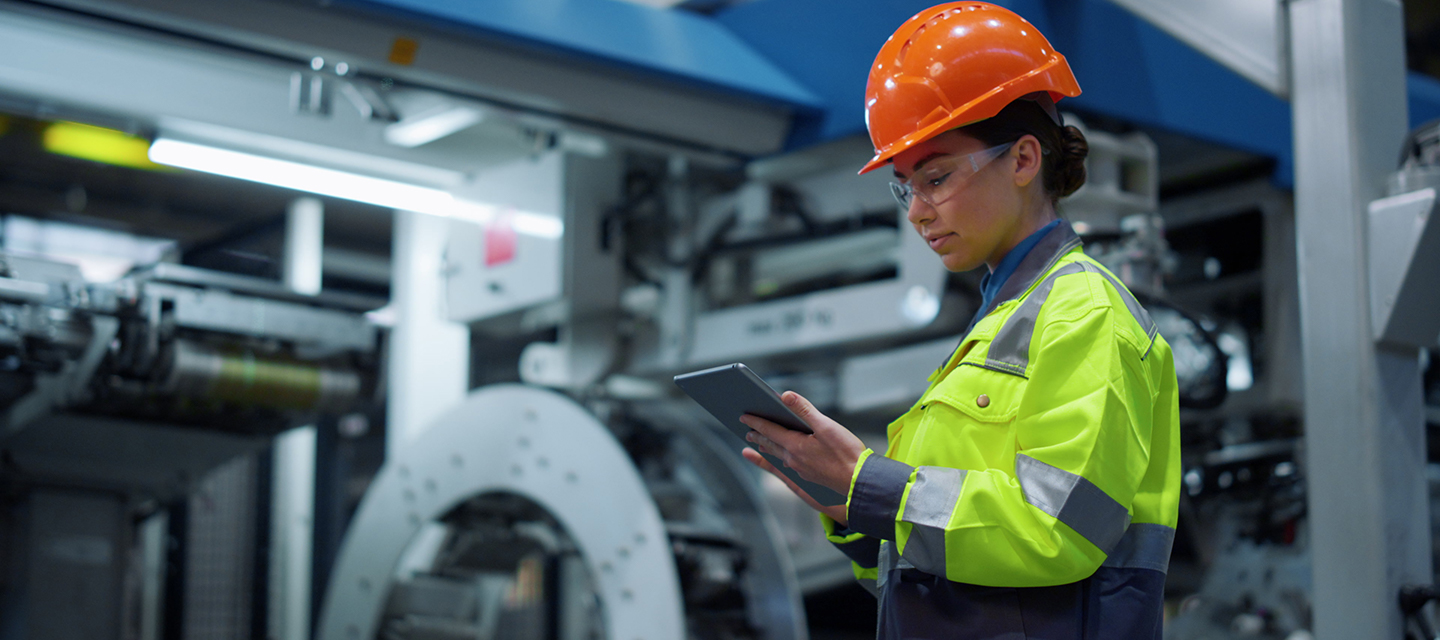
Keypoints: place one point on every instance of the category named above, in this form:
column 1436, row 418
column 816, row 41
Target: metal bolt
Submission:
column 571, row 478
column 542, row 462
column 524, row 442
column 623, row 552
column 516, row 470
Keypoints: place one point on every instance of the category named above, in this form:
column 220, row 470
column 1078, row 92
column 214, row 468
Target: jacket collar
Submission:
column 1053, row 246
column 1041, row 259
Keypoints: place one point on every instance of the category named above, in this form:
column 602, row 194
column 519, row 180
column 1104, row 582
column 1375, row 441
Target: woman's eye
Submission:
column 937, row 180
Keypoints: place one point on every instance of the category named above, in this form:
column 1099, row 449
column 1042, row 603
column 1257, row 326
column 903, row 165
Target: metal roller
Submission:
column 242, row 377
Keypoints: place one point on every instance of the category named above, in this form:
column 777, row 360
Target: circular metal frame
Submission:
column 531, row 442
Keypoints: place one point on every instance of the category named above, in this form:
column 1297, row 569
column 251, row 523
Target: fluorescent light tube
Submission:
column 301, row 177
column 343, row 184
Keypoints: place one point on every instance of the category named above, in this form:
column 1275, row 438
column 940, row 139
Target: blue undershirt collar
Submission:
column 991, row 283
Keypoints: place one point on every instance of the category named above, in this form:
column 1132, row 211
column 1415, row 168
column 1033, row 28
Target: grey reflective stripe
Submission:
column 887, row 564
column 932, row 501
column 1010, row 349
column 1009, row 292
column 1142, row 317
column 875, row 498
column 1144, row 546
column 1073, row 500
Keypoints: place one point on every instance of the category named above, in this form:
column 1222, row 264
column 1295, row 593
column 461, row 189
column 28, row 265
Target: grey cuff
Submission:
column 875, row 498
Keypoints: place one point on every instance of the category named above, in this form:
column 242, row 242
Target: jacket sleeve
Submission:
column 1082, row 433
column 863, row 551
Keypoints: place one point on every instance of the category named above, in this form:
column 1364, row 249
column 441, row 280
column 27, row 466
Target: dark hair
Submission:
column 1063, row 162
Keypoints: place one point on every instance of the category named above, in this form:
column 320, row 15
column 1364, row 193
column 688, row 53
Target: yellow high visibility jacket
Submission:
column 1032, row 491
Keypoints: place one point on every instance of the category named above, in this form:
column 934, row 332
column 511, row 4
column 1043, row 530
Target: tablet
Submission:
column 733, row 390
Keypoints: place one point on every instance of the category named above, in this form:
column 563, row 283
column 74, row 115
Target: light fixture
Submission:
column 98, row 144
column 344, row 185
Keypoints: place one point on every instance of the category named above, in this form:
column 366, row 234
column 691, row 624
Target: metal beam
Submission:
column 548, row 89
column 1364, row 432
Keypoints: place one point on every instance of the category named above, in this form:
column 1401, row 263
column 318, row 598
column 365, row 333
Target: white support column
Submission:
column 292, row 532
column 429, row 356
column 1364, row 435
column 304, row 245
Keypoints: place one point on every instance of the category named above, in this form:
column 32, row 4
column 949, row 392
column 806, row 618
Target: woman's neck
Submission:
column 1032, row 221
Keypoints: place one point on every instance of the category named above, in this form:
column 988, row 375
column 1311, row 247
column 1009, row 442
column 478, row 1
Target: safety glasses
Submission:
column 940, row 179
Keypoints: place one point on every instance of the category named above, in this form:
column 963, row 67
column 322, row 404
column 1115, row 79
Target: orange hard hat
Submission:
column 952, row 65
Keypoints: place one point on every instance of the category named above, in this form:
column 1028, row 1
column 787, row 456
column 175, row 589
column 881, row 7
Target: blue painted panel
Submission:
column 679, row 44
column 1132, row 70
column 1127, row 68
column 1424, row 99
column 828, row 45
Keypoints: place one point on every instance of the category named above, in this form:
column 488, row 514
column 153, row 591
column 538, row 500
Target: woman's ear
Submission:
column 1028, row 160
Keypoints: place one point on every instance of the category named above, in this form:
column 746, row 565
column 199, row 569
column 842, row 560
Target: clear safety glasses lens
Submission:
column 902, row 194
column 941, row 178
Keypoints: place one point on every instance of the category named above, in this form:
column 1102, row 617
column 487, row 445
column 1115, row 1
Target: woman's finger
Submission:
column 803, row 409
column 782, row 437
column 836, row 513
column 760, row 461
column 765, row 444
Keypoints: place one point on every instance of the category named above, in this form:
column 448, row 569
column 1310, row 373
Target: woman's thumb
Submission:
column 800, row 406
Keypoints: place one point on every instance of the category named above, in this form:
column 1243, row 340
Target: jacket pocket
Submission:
column 984, row 395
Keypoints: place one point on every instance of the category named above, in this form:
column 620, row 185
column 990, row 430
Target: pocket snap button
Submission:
column 983, row 401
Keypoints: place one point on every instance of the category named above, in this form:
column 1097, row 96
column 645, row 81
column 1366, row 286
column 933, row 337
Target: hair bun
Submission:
column 1069, row 172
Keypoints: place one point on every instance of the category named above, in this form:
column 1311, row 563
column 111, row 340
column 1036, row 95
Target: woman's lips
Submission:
column 938, row 240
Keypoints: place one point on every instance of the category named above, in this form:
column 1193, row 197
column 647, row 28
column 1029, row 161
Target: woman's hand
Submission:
column 827, row 457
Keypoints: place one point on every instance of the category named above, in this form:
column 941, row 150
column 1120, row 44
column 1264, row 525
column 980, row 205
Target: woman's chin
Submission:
column 959, row 263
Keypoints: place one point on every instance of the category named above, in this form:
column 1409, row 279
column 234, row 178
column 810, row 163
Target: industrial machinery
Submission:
column 520, row 515
column 536, row 513
column 601, row 238
column 121, row 396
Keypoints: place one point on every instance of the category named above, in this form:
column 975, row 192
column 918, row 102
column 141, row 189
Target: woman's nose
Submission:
column 919, row 212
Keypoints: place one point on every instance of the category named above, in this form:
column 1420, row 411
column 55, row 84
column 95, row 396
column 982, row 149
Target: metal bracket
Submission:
column 368, row 101
column 309, row 94
column 1404, row 247
column 1250, row 37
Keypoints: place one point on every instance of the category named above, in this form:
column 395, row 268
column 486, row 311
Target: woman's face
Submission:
column 978, row 224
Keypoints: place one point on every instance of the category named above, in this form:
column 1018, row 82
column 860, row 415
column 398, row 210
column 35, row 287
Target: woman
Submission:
column 1032, row 490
